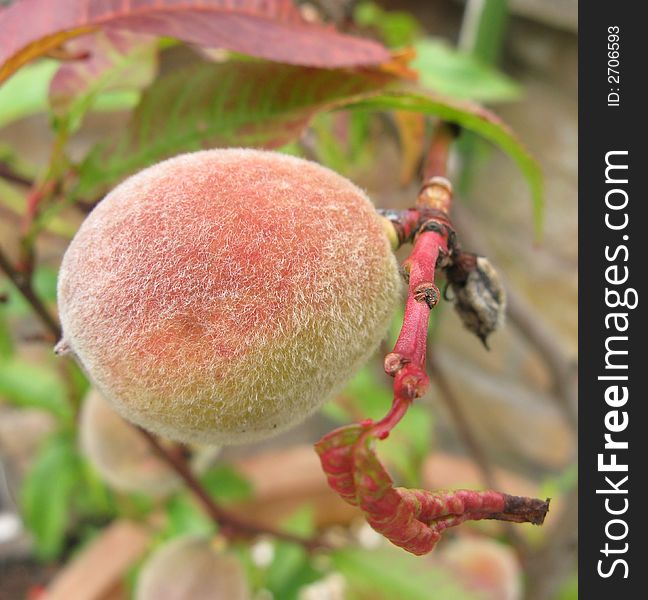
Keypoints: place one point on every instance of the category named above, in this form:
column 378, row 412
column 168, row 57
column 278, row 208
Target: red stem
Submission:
column 421, row 265
column 436, row 163
column 413, row 519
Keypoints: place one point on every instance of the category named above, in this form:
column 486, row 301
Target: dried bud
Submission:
column 479, row 295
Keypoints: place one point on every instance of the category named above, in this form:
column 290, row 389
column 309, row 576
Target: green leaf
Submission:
column 29, row 385
column 236, row 103
column 396, row 28
column 387, row 573
column 26, row 93
column 6, row 340
column 184, row 516
column 301, row 522
column 268, row 105
column 569, row 590
column 44, row 285
column 45, row 279
column 471, row 117
column 458, row 74
column 291, row 568
column 14, row 201
column 364, row 395
column 47, row 493
column 342, row 140
column 227, row 485
column 486, row 38
column 408, row 444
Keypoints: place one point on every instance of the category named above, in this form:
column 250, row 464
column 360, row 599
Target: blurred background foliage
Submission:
column 507, row 414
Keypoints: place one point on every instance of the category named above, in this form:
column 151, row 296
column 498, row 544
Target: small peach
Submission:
column 487, row 567
column 122, row 457
column 223, row 296
column 189, row 568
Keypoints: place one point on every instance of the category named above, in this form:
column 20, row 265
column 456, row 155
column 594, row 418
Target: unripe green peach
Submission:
column 122, row 457
column 190, row 568
column 222, row 296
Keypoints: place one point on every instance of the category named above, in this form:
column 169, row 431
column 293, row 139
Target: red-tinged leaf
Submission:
column 335, row 451
column 472, row 117
column 411, row 519
column 115, row 61
column 236, row 103
column 270, row 29
column 268, row 105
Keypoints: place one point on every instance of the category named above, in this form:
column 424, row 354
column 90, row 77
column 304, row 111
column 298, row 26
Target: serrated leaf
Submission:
column 458, row 74
column 273, row 29
column 267, row 105
column 386, row 573
column 237, row 103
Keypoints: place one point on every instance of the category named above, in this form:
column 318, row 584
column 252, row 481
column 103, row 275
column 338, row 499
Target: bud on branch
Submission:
column 415, row 519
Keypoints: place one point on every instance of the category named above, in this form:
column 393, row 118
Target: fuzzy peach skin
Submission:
column 122, row 457
column 222, row 296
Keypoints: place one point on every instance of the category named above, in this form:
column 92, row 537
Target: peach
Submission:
column 122, row 457
column 191, row 568
column 222, row 296
column 487, row 567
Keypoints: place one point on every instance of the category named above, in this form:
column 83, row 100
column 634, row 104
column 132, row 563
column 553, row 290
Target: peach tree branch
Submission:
column 23, row 284
column 415, row 519
column 229, row 525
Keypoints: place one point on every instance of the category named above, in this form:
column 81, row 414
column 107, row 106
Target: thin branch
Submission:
column 436, row 161
column 230, row 525
column 414, row 519
column 563, row 369
column 24, row 286
column 557, row 553
column 9, row 174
